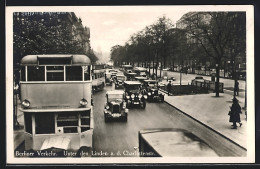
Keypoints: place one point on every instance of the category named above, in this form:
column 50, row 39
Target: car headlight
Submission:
column 145, row 96
column 139, row 96
column 152, row 92
column 107, row 107
column 127, row 97
column 83, row 102
column 132, row 96
column 149, row 93
column 26, row 103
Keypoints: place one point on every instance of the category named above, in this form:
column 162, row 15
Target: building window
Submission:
column 44, row 123
column 73, row 73
column 55, row 73
column 35, row 73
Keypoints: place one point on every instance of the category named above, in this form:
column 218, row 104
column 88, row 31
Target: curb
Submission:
column 204, row 124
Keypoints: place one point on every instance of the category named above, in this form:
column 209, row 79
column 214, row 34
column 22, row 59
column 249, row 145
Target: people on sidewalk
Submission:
column 236, row 88
column 234, row 113
column 169, row 87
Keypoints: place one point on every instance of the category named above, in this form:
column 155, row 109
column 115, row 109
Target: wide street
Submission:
column 121, row 138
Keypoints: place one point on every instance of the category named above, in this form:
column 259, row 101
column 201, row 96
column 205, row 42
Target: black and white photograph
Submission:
column 130, row 84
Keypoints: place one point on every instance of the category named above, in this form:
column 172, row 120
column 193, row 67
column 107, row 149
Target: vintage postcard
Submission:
column 130, row 84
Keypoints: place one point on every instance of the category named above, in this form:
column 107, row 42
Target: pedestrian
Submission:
column 234, row 113
column 236, row 88
column 169, row 87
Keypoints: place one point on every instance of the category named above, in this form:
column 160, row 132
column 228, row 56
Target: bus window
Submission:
column 28, row 122
column 22, row 73
column 55, row 73
column 69, row 121
column 73, row 73
column 41, row 127
column 87, row 73
column 35, row 73
column 85, row 120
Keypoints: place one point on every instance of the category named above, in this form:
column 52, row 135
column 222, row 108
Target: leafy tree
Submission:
column 214, row 31
column 161, row 31
column 44, row 33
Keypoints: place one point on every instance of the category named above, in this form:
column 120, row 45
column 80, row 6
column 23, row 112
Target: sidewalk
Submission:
column 213, row 112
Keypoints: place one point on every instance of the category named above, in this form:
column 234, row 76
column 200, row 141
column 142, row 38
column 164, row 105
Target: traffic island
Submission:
column 185, row 90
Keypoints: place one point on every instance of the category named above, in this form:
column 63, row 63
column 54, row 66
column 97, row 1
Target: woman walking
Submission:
column 234, row 113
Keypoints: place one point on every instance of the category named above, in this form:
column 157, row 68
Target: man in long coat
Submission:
column 234, row 113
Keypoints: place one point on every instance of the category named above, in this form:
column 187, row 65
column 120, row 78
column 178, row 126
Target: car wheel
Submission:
column 162, row 99
column 106, row 118
column 125, row 118
column 143, row 105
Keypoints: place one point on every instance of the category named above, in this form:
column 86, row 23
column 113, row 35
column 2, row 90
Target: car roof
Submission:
column 133, row 82
column 149, row 80
column 115, row 92
column 140, row 68
column 127, row 66
column 74, row 59
column 131, row 73
column 140, row 77
column 120, row 75
column 184, row 143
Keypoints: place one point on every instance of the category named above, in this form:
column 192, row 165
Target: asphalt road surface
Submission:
column 120, row 139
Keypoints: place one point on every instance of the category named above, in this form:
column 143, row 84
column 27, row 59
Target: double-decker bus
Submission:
column 57, row 102
column 98, row 81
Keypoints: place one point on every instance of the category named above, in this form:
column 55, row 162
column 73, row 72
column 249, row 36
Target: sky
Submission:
column 111, row 26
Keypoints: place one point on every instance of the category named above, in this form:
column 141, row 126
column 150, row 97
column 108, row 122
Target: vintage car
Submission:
column 133, row 94
column 113, row 73
column 140, row 79
column 115, row 107
column 140, row 71
column 108, row 80
column 172, row 142
column 172, row 79
column 109, row 76
column 119, row 81
column 151, row 89
column 130, row 76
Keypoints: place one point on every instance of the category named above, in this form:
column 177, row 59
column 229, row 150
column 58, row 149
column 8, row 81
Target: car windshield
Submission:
column 152, row 84
column 112, row 97
column 132, row 87
column 120, row 78
column 199, row 77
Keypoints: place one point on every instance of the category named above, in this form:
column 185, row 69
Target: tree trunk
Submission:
column 217, row 78
column 157, row 60
column 225, row 65
column 161, row 67
column 153, row 64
